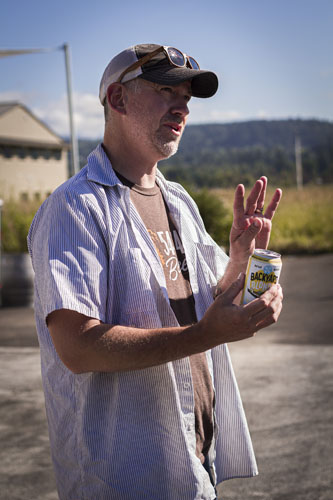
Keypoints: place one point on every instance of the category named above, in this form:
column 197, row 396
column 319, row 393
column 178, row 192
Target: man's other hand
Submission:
column 225, row 321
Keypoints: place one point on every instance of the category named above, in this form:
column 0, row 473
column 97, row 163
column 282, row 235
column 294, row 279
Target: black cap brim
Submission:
column 204, row 83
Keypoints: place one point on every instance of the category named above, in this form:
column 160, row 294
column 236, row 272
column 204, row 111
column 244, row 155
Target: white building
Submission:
column 33, row 159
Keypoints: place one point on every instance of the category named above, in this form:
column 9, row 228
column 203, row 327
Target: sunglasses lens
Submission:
column 193, row 63
column 176, row 57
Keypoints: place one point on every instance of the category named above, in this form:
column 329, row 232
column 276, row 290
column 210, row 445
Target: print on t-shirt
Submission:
column 172, row 256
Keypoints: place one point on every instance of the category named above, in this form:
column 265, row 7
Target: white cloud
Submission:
column 88, row 112
column 88, row 115
column 262, row 114
column 202, row 111
column 230, row 115
column 214, row 116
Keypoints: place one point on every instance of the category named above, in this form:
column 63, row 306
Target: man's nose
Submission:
column 180, row 107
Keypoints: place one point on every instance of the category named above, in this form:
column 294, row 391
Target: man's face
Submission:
column 157, row 116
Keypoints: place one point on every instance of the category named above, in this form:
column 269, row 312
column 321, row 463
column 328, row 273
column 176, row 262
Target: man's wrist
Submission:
column 238, row 261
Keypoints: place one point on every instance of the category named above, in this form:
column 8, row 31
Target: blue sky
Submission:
column 274, row 59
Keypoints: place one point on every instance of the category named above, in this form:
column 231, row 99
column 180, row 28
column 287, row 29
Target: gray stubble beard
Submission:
column 166, row 148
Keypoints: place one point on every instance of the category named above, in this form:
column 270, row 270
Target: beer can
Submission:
column 263, row 271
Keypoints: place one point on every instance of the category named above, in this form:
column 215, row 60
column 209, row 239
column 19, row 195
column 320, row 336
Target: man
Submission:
column 140, row 394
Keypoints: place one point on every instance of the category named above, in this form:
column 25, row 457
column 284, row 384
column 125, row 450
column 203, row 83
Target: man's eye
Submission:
column 166, row 89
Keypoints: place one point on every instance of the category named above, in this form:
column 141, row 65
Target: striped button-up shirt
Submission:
column 128, row 435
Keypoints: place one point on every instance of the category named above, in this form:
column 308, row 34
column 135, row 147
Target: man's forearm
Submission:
column 85, row 344
column 120, row 348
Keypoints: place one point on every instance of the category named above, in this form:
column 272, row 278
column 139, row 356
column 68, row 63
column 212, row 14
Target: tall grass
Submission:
column 303, row 222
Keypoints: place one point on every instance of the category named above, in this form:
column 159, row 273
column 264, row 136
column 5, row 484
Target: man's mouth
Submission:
column 175, row 127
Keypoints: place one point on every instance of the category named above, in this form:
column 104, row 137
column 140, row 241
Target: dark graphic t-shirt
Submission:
column 151, row 207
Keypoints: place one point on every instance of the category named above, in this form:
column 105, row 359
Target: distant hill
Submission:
column 264, row 133
column 223, row 154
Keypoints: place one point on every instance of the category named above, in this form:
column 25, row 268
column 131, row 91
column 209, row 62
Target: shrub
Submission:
column 16, row 221
column 216, row 216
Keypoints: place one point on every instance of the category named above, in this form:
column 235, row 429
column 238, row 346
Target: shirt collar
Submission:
column 99, row 169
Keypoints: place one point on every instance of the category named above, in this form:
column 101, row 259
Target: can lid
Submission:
column 266, row 254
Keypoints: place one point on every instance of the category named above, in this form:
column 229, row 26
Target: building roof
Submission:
column 7, row 106
column 28, row 129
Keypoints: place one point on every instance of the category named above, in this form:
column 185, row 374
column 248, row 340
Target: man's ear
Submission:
column 116, row 97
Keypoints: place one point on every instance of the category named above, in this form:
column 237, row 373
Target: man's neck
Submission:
column 137, row 170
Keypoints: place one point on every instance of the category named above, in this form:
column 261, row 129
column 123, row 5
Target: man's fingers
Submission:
column 251, row 233
column 268, row 315
column 252, row 200
column 271, row 209
column 262, row 303
column 255, row 201
column 239, row 205
column 262, row 196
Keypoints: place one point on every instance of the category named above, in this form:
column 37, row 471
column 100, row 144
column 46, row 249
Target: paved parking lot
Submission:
column 285, row 378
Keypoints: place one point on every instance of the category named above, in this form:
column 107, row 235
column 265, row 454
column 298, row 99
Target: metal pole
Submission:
column 75, row 149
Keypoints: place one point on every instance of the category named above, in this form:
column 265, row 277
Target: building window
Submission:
column 46, row 154
column 21, row 152
column 8, row 151
column 35, row 153
column 24, row 196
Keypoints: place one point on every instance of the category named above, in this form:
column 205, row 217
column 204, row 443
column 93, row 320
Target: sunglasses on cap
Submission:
column 175, row 57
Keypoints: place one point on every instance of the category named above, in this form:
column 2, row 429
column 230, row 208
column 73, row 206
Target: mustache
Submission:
column 172, row 119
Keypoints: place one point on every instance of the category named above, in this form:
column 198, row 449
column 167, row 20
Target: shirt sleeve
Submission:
column 69, row 255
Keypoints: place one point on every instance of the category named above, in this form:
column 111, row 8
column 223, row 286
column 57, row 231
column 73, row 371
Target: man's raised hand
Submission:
column 252, row 224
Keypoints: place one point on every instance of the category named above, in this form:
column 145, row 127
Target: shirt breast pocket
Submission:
column 136, row 289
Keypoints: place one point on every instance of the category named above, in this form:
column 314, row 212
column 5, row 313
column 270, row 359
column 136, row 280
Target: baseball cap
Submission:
column 158, row 70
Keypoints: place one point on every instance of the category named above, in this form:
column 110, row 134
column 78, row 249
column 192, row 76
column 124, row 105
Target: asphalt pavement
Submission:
column 284, row 375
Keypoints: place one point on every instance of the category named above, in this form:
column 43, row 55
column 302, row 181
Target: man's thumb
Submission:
column 251, row 232
column 237, row 286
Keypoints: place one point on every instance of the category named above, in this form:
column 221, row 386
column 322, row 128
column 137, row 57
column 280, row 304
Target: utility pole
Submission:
column 298, row 160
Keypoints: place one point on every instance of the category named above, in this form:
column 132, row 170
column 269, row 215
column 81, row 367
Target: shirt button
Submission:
column 187, row 385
